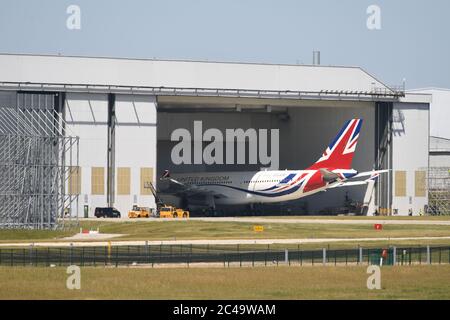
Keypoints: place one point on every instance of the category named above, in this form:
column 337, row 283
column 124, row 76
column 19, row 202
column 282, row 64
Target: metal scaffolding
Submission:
column 439, row 190
column 37, row 159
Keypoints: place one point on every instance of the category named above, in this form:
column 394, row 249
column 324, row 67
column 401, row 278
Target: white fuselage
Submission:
column 256, row 187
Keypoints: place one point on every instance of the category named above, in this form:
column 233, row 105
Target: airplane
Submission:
column 333, row 169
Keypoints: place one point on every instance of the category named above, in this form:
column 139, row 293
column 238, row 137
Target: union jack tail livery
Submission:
column 339, row 153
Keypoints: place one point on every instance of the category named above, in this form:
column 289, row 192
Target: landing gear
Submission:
column 211, row 206
column 209, row 212
column 254, row 210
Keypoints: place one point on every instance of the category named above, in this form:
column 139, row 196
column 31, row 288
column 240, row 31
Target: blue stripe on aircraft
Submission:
column 284, row 181
column 349, row 175
column 270, row 195
column 339, row 135
column 358, row 128
column 288, row 178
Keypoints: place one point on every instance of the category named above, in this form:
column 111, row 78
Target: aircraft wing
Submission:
column 373, row 176
column 350, row 183
column 175, row 187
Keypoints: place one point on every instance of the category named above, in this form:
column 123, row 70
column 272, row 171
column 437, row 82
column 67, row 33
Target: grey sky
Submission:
column 413, row 42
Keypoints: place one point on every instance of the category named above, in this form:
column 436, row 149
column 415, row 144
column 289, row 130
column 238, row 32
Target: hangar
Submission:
column 123, row 112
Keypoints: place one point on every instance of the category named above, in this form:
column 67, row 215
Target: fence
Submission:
column 226, row 255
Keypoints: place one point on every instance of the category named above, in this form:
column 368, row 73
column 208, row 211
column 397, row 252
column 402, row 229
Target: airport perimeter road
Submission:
column 88, row 243
column 310, row 220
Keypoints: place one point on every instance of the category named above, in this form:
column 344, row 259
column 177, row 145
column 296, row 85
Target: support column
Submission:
column 110, row 175
column 383, row 154
column 59, row 113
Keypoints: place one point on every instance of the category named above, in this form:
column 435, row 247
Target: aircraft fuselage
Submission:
column 261, row 186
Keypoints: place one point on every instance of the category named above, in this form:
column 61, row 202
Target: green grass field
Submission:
column 194, row 229
column 233, row 230
column 416, row 282
column 318, row 282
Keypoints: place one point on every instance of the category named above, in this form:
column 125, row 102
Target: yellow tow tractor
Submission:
column 172, row 212
column 139, row 212
column 163, row 210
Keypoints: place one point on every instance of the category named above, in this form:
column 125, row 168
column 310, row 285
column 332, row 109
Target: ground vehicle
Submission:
column 164, row 210
column 172, row 212
column 139, row 212
column 107, row 212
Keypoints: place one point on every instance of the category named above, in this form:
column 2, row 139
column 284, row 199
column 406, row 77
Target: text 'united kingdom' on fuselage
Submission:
column 333, row 169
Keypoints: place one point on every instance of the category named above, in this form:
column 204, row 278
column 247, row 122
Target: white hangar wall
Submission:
column 135, row 148
column 410, row 158
column 86, row 117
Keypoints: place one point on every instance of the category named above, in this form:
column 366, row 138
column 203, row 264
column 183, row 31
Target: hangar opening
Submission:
column 305, row 129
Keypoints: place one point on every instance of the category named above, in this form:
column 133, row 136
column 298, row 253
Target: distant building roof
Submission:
column 439, row 110
column 439, row 145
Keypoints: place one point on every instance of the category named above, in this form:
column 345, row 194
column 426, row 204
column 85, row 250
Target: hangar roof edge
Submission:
column 427, row 89
column 146, row 73
column 184, row 60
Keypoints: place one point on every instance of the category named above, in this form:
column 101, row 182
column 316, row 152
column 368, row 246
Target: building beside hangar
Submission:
column 439, row 162
column 122, row 113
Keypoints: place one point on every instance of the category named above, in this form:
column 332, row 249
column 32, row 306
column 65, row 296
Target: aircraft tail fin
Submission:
column 339, row 153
